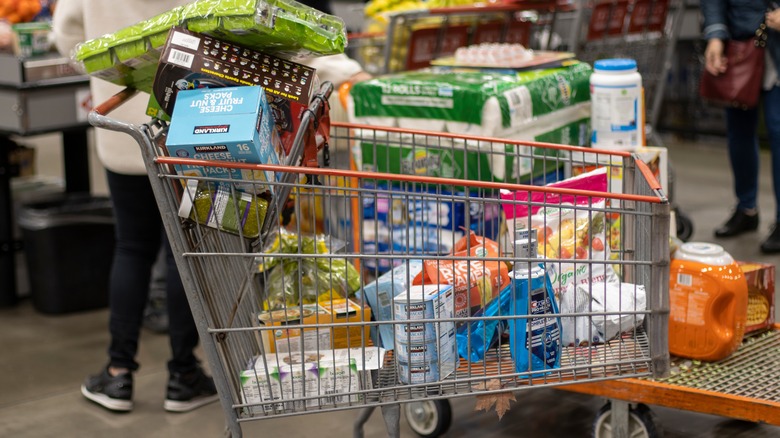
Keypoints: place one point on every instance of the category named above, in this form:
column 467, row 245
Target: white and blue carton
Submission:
column 426, row 352
column 380, row 295
column 232, row 124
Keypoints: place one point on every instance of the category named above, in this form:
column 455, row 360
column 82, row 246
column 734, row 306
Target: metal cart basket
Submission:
column 278, row 269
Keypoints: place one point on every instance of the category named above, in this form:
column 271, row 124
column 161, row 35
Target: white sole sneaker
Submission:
column 108, row 402
column 186, row 406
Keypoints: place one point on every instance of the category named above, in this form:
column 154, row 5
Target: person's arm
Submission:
column 68, row 25
column 715, row 32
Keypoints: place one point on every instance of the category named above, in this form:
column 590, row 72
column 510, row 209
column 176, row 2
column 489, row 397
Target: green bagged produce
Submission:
column 291, row 281
column 129, row 56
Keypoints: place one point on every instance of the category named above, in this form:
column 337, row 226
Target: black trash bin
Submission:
column 68, row 246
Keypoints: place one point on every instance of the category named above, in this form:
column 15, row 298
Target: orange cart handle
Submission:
column 115, row 101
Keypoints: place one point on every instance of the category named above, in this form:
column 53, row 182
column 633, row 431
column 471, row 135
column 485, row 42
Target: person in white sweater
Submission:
column 139, row 231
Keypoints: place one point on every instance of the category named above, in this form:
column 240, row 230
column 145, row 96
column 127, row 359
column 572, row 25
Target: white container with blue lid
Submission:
column 617, row 106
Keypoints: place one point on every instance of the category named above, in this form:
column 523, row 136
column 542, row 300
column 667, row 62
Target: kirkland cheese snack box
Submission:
column 231, row 124
column 190, row 61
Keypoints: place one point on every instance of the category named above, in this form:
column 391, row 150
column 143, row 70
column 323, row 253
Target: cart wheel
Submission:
column 684, row 225
column 641, row 423
column 428, row 418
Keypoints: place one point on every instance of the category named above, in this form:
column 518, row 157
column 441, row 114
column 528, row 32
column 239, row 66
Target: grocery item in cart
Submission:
column 278, row 383
column 295, row 280
column 380, row 293
column 570, row 228
column 708, row 299
column 232, row 124
column 331, row 315
column 535, row 343
column 191, row 60
column 130, row 56
column 760, row 279
column 613, row 306
column 423, row 220
column 425, row 351
column 216, row 206
column 475, row 280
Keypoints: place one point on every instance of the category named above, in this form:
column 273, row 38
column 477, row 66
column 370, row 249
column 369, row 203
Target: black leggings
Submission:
column 139, row 234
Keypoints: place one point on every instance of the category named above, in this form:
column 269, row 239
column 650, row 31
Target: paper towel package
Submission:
column 551, row 105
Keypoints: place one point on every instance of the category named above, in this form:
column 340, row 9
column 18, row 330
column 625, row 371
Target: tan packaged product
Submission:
column 282, row 338
column 286, row 337
column 344, row 310
column 760, row 279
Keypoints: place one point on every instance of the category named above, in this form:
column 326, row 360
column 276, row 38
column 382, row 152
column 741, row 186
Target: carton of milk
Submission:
column 233, row 124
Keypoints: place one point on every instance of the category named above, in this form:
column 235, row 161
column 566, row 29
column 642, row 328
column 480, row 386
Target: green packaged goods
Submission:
column 224, row 209
column 470, row 101
column 129, row 56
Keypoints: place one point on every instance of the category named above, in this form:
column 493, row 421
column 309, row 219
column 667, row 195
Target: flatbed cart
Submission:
column 279, row 342
column 644, row 30
column 743, row 386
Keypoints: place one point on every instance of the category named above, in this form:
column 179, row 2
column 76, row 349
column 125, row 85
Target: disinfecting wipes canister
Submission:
column 617, row 112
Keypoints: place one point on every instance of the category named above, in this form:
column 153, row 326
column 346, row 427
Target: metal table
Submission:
column 37, row 96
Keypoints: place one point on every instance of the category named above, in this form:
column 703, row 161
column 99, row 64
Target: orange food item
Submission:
column 19, row 11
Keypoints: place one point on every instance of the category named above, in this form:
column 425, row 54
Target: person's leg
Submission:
column 137, row 243
column 188, row 386
column 772, row 122
column 182, row 330
column 137, row 232
column 741, row 128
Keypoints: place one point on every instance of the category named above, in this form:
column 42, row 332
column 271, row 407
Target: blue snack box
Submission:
column 232, row 124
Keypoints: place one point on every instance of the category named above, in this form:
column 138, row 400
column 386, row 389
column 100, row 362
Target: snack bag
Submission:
column 475, row 281
column 569, row 227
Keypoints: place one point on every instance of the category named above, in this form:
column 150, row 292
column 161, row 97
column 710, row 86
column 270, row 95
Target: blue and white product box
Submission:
column 380, row 294
column 233, row 124
column 419, row 370
column 423, row 220
column 432, row 301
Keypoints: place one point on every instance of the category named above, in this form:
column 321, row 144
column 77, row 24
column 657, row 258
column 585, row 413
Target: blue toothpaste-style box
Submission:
column 225, row 124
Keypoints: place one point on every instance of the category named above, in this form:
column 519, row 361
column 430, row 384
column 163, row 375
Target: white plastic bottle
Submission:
column 617, row 112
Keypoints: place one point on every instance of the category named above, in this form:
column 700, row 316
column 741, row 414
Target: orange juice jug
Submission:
column 708, row 302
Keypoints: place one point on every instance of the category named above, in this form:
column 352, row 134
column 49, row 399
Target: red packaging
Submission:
column 475, row 281
column 761, row 295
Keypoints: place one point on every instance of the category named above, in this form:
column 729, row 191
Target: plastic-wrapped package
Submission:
column 285, row 27
column 291, row 281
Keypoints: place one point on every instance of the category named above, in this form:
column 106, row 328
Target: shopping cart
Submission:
column 644, row 30
column 412, row 39
column 266, row 296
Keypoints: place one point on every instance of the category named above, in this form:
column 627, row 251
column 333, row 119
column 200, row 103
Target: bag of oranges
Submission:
column 19, row 11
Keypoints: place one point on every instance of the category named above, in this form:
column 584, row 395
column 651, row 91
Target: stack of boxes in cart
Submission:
column 425, row 344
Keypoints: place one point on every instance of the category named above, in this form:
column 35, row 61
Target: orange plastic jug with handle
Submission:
column 708, row 301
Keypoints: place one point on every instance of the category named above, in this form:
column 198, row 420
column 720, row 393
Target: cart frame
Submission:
column 642, row 191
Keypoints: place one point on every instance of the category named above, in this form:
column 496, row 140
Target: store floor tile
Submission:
column 46, row 358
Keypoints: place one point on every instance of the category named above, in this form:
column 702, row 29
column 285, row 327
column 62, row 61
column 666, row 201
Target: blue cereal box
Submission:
column 232, row 124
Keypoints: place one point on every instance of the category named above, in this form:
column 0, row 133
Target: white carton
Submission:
column 432, row 301
column 324, row 378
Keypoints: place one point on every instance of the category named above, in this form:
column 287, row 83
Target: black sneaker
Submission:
column 114, row 393
column 189, row 391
